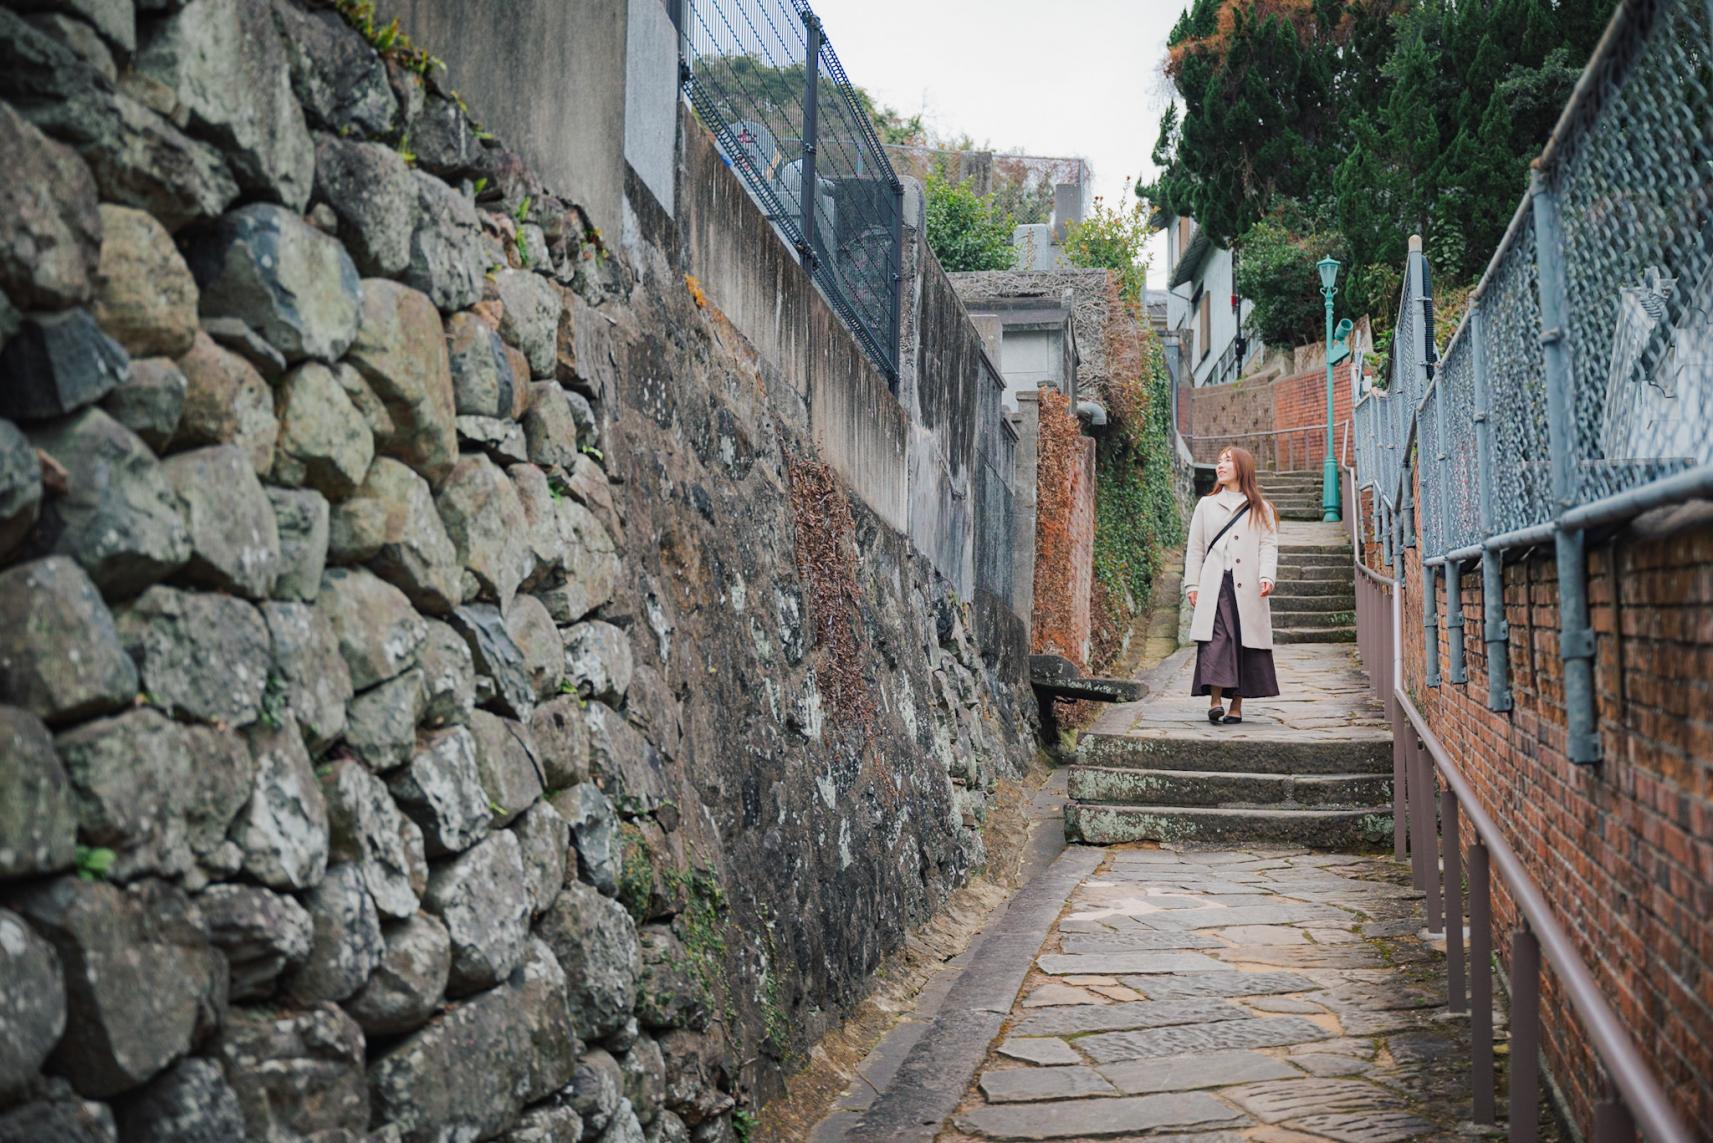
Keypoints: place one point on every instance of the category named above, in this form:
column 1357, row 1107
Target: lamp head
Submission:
column 1328, row 268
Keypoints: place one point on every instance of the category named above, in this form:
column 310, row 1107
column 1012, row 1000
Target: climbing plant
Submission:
column 966, row 231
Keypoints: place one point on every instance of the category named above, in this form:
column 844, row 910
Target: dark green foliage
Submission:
column 966, row 231
column 1137, row 519
column 1384, row 118
column 1277, row 273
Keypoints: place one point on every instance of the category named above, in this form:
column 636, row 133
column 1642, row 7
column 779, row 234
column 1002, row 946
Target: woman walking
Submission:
column 1229, row 569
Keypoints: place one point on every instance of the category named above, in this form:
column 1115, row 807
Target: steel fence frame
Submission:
column 1581, row 379
column 764, row 78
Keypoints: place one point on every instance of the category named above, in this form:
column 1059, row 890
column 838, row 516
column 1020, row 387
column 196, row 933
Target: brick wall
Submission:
column 1624, row 849
column 1259, row 415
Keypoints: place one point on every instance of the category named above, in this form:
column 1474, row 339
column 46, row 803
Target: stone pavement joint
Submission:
column 1286, row 1024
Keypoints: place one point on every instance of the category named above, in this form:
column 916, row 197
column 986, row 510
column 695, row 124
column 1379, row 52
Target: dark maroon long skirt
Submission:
column 1223, row 661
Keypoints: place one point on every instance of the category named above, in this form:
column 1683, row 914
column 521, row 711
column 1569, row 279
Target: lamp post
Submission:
column 1328, row 268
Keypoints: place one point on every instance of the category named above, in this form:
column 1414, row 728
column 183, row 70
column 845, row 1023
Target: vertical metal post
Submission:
column 1481, row 983
column 1430, row 833
column 1430, row 622
column 895, row 343
column 1525, row 1036
column 1495, row 632
column 1403, row 829
column 1458, row 664
column 810, row 191
column 1575, row 639
column 1453, row 863
column 1406, row 505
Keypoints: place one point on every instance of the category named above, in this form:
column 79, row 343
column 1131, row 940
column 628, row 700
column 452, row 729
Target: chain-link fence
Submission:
column 762, row 76
column 1578, row 392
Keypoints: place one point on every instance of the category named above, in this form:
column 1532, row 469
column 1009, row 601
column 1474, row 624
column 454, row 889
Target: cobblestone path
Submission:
column 1217, row 995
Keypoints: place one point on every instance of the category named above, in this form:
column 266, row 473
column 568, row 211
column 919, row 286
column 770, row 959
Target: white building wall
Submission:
column 1215, row 278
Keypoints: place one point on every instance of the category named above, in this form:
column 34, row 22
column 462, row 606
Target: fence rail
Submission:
column 763, row 77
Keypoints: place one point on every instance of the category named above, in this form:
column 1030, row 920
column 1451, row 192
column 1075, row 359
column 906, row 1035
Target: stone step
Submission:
column 1305, row 588
column 1328, row 548
column 1314, row 634
column 1294, row 617
column 1231, row 750
column 1102, row 824
column 1134, row 787
column 1305, row 556
column 1295, row 571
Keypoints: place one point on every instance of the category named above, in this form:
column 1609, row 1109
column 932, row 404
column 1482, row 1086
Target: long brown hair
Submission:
column 1244, row 462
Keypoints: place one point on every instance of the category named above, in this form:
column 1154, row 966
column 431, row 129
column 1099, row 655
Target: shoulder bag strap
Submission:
column 1235, row 516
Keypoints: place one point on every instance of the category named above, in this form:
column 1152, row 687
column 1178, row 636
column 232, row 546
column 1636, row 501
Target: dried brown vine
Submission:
column 826, row 559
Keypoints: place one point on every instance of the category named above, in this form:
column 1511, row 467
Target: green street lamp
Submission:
column 1328, row 268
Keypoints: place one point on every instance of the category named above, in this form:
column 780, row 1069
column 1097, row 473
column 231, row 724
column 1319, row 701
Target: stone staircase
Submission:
column 1295, row 494
column 1311, row 767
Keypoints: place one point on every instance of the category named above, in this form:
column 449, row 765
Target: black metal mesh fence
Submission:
column 762, row 76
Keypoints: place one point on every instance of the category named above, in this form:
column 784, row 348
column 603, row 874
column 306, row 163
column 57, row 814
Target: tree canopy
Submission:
column 1352, row 124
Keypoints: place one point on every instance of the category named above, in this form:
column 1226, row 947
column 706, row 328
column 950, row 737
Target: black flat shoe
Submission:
column 1232, row 719
column 1216, row 714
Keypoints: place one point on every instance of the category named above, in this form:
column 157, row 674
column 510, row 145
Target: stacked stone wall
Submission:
column 410, row 717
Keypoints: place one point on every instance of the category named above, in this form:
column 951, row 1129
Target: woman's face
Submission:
column 1226, row 470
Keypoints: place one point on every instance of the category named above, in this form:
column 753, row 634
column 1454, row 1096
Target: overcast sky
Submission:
column 1075, row 78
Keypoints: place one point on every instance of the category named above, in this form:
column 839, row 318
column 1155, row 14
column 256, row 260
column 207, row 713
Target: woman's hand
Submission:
column 1193, row 594
column 1266, row 588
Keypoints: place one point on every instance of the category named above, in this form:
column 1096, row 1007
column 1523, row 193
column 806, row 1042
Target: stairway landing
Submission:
column 1311, row 767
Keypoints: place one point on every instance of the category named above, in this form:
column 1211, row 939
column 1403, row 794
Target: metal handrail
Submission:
column 1643, row 1096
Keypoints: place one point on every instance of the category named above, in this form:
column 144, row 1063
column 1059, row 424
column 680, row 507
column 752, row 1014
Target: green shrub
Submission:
column 967, row 231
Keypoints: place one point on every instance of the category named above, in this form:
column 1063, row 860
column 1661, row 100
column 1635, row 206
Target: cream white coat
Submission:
column 1250, row 550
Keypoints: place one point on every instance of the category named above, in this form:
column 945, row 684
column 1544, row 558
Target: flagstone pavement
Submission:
column 1225, row 995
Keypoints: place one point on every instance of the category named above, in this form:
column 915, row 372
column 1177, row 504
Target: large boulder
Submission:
column 645, row 1079
column 381, row 722
column 444, row 139
column 297, row 1074
column 598, row 660
column 561, row 737
column 484, row 381
column 546, row 542
column 595, row 942
column 378, row 631
column 448, row 677
column 32, row 1005
column 670, row 995
column 137, row 156
column 262, row 933
column 234, row 538
column 201, row 656
column 60, row 653
column 59, row 1118
column 391, row 524
column 410, row 982
column 336, row 75
column 549, row 426
column 592, row 568
column 283, row 830
column 532, row 629
column 544, row 840
column 20, row 487
column 226, row 402
column 323, row 442
column 505, row 758
column 485, row 521
column 145, row 295
column 369, row 834
column 626, row 764
column 347, row 942
column 546, row 1123
column 481, row 897
column 469, row 1073
column 294, row 285
column 38, row 809
column 56, row 364
column 531, row 320
column 150, row 400
column 50, row 233
column 441, row 790
column 449, row 255
column 595, row 833
column 141, row 980
column 119, row 517
column 132, row 773
column 401, row 353
column 502, row 672
column 225, row 67
column 307, row 661
column 597, row 1090
column 373, row 195
column 190, row 1102
column 301, row 517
